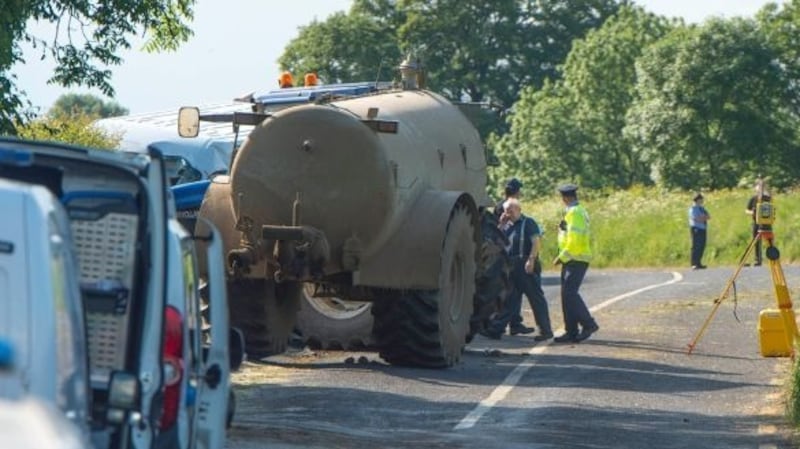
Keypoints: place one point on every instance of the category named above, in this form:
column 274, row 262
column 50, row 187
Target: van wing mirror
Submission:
column 188, row 121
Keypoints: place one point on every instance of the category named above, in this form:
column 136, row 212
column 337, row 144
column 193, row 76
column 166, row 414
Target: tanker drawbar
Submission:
column 366, row 202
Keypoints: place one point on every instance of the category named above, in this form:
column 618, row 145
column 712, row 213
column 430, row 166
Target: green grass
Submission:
column 648, row 227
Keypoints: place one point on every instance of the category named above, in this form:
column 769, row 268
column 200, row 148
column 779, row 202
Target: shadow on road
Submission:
column 348, row 417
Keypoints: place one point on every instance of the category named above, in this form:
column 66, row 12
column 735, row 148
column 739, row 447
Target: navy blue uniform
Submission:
column 520, row 235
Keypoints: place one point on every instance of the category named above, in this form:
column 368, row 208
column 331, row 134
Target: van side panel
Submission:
column 42, row 350
column 13, row 289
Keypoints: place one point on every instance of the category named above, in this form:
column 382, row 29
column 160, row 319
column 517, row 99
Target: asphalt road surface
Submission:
column 631, row 385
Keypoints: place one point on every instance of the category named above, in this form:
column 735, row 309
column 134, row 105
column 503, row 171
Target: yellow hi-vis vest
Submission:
column 574, row 237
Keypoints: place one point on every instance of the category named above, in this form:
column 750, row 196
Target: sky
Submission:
column 235, row 48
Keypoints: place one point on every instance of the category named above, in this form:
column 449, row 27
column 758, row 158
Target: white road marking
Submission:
column 501, row 391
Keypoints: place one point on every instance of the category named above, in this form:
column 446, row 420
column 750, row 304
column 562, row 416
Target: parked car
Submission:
column 154, row 382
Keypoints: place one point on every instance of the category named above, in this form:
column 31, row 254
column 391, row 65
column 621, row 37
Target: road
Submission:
column 631, row 385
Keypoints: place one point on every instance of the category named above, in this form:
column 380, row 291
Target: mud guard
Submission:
column 411, row 258
column 217, row 207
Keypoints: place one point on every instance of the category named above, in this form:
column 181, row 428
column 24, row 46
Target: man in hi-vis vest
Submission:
column 574, row 254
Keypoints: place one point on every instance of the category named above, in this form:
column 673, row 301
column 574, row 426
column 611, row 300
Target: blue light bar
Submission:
column 309, row 94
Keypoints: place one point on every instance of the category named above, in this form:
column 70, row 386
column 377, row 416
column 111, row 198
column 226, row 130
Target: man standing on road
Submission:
column 761, row 191
column 698, row 224
column 526, row 277
column 512, row 190
column 574, row 254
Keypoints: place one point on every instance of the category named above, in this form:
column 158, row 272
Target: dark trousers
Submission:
column 698, row 245
column 531, row 286
column 572, row 305
column 757, row 249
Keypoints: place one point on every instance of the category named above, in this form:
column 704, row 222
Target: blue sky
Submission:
column 236, row 46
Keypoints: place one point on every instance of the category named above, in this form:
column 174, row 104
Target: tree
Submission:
column 552, row 28
column 85, row 104
column 76, row 129
column 525, row 152
column 782, row 28
column 485, row 50
column 713, row 107
column 337, row 48
column 88, row 36
column 490, row 50
column 572, row 129
column 600, row 76
column 467, row 46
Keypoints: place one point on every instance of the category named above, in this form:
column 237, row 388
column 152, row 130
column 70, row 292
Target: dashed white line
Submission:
column 508, row 384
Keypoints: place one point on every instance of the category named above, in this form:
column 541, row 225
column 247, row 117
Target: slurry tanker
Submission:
column 365, row 193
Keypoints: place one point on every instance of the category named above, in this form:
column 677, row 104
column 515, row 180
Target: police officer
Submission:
column 574, row 254
column 698, row 225
column 526, row 277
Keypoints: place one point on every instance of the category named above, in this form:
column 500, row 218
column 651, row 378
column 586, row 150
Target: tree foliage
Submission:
column 76, row 129
column 88, row 37
column 481, row 49
column 781, row 25
column 85, row 104
column 343, row 48
column 713, row 107
column 571, row 129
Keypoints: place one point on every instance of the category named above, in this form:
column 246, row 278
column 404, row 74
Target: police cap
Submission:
column 513, row 185
column 567, row 189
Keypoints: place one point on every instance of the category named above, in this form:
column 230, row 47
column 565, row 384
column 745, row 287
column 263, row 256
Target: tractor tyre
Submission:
column 265, row 312
column 334, row 323
column 430, row 328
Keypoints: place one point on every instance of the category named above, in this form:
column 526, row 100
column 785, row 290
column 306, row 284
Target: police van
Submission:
column 153, row 380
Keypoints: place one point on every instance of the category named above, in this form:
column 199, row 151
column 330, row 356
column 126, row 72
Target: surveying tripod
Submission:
column 763, row 234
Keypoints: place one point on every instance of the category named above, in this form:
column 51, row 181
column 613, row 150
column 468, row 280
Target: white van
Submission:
column 153, row 383
column 41, row 312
